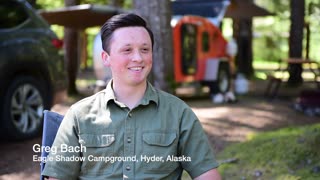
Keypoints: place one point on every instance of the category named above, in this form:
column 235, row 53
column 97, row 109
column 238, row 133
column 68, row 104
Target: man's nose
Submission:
column 137, row 56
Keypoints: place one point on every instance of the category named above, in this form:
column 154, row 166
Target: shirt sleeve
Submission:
column 194, row 143
column 63, row 161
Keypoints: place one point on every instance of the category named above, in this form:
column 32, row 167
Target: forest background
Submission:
column 270, row 33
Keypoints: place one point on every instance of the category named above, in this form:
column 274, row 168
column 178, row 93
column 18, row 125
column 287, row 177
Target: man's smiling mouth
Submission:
column 136, row 68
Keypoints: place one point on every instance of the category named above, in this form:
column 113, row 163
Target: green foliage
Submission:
column 274, row 40
column 290, row 153
column 50, row 4
column 91, row 34
column 272, row 33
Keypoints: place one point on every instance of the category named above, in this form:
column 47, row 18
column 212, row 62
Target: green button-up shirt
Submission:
column 101, row 138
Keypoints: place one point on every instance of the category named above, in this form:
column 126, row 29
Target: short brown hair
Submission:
column 119, row 21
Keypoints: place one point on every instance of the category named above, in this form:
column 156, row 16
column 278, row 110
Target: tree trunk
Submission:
column 71, row 37
column 296, row 40
column 158, row 16
column 242, row 32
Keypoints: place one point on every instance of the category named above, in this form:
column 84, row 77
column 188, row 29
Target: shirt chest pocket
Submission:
column 99, row 148
column 159, row 145
column 159, row 139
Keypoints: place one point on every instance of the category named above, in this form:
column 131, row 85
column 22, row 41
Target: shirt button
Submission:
column 129, row 140
column 128, row 168
column 130, row 115
column 82, row 142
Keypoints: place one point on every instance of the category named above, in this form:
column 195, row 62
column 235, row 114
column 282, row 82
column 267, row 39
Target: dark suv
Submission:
column 31, row 69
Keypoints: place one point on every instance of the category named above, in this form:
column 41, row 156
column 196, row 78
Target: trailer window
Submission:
column 205, row 42
column 189, row 48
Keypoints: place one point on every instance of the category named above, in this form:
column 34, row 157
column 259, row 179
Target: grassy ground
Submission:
column 289, row 153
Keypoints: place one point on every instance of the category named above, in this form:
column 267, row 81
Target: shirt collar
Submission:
column 109, row 94
column 149, row 96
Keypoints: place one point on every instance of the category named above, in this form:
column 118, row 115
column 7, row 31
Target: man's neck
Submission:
column 129, row 95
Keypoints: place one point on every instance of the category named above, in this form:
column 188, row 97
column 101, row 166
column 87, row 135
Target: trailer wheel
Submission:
column 222, row 83
column 224, row 78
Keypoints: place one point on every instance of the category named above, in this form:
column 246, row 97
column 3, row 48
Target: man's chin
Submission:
column 138, row 82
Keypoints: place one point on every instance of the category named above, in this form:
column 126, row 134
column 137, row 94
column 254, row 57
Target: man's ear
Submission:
column 105, row 58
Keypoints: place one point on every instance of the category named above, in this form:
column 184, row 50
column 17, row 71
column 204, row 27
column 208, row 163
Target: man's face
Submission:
column 130, row 57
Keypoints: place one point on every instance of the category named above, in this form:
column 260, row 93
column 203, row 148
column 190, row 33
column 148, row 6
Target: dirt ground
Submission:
column 224, row 124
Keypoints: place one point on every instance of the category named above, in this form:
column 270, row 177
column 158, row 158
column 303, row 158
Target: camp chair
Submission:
column 51, row 123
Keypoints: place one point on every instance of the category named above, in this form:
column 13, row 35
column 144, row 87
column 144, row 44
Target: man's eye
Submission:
column 145, row 50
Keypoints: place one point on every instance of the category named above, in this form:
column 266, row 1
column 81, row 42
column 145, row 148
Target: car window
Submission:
column 11, row 14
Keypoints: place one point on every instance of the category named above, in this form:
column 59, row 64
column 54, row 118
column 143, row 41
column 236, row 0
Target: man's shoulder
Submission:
column 168, row 98
column 89, row 101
